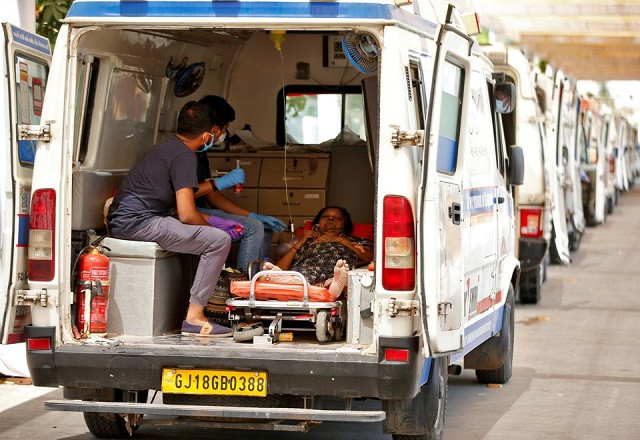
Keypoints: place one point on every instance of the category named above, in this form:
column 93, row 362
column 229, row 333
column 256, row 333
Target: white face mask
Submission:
column 220, row 140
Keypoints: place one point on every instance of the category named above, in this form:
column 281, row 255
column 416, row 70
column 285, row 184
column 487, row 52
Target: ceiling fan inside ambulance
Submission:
column 361, row 49
column 188, row 78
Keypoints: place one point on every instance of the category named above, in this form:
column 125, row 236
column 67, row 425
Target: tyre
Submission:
column 104, row 425
column 108, row 425
column 554, row 254
column 322, row 326
column 531, row 285
column 574, row 241
column 504, row 342
column 421, row 417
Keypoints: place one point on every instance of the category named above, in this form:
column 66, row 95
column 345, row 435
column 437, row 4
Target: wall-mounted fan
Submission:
column 362, row 51
column 188, row 78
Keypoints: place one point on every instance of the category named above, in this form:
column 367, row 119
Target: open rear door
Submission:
column 558, row 188
column 441, row 204
column 25, row 68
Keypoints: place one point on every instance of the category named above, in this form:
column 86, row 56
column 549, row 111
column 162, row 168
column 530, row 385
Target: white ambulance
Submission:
column 534, row 201
column 597, row 185
column 552, row 95
column 434, row 178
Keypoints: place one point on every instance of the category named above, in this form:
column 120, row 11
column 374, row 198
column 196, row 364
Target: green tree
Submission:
column 48, row 16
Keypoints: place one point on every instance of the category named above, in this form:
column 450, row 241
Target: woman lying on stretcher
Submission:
column 324, row 253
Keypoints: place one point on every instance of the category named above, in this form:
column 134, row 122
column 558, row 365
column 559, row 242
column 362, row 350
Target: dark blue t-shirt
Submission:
column 149, row 190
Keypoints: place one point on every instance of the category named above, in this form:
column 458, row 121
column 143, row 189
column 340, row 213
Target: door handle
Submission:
column 499, row 199
column 455, row 213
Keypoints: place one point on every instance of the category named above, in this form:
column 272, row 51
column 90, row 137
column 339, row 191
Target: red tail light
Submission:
column 38, row 344
column 396, row 355
column 612, row 165
column 398, row 250
column 42, row 222
column 530, row 223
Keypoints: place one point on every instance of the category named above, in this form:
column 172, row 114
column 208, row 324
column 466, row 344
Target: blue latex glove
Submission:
column 234, row 229
column 231, row 179
column 269, row 222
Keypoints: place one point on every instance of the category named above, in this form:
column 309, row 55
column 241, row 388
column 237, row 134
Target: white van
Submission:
column 25, row 66
column 597, row 186
column 552, row 96
column 524, row 127
column 435, row 179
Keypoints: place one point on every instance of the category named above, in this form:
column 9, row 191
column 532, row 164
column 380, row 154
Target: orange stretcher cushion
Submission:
column 266, row 291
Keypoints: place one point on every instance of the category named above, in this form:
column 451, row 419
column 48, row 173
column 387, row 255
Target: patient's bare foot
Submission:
column 339, row 281
column 268, row 265
column 286, row 279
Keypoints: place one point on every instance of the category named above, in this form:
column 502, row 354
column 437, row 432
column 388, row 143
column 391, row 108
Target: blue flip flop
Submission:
column 209, row 329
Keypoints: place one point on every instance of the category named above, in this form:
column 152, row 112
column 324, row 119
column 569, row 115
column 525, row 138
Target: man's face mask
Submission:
column 207, row 145
column 220, row 139
column 500, row 106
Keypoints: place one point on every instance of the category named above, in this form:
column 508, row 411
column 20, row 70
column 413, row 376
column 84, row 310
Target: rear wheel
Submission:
column 504, row 342
column 421, row 417
column 110, row 425
column 322, row 326
column 531, row 285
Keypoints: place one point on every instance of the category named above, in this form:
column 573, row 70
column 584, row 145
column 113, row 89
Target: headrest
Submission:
column 362, row 230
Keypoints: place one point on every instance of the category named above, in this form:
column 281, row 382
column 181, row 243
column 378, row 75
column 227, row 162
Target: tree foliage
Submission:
column 48, row 16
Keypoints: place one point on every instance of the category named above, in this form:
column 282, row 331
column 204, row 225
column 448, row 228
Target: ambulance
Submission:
column 388, row 107
column 534, row 205
column 553, row 94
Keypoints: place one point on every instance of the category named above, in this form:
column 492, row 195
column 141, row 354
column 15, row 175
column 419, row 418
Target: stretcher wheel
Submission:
column 322, row 326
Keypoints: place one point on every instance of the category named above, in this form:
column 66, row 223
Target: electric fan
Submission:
column 189, row 80
column 361, row 51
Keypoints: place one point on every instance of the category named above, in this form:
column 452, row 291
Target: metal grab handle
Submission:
column 455, row 213
column 305, row 284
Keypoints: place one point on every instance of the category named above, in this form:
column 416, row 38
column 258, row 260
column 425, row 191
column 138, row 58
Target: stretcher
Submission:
column 287, row 304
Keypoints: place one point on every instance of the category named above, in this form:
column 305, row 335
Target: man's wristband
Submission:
column 213, row 185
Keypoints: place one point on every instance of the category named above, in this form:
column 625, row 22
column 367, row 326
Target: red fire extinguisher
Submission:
column 92, row 291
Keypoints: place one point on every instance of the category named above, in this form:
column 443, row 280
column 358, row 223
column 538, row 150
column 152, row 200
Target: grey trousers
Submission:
column 210, row 243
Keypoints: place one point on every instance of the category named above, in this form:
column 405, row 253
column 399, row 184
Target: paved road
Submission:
column 576, row 363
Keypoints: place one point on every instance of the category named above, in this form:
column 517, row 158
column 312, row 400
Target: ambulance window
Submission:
column 31, row 79
column 130, row 118
column 310, row 115
column 85, row 96
column 497, row 136
column 415, row 92
column 450, row 112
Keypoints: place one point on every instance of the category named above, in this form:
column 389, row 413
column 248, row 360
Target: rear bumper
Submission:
column 291, row 371
column 531, row 252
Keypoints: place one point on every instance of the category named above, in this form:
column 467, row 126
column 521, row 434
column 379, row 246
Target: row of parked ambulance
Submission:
column 580, row 154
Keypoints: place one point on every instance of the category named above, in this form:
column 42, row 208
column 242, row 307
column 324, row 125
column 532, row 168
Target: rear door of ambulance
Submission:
column 25, row 68
column 441, row 213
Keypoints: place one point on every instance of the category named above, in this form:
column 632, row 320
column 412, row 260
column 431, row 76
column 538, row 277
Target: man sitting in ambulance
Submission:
column 156, row 202
column 257, row 228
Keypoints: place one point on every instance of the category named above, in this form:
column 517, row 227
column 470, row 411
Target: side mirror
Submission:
column 505, row 96
column 515, row 167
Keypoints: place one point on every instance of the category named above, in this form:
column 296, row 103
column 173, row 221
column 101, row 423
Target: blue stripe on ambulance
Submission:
column 23, row 230
column 240, row 9
column 474, row 335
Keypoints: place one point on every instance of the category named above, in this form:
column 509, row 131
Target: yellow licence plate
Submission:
column 218, row 382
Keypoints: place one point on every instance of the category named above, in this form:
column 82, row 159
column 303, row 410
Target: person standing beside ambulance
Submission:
column 155, row 202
